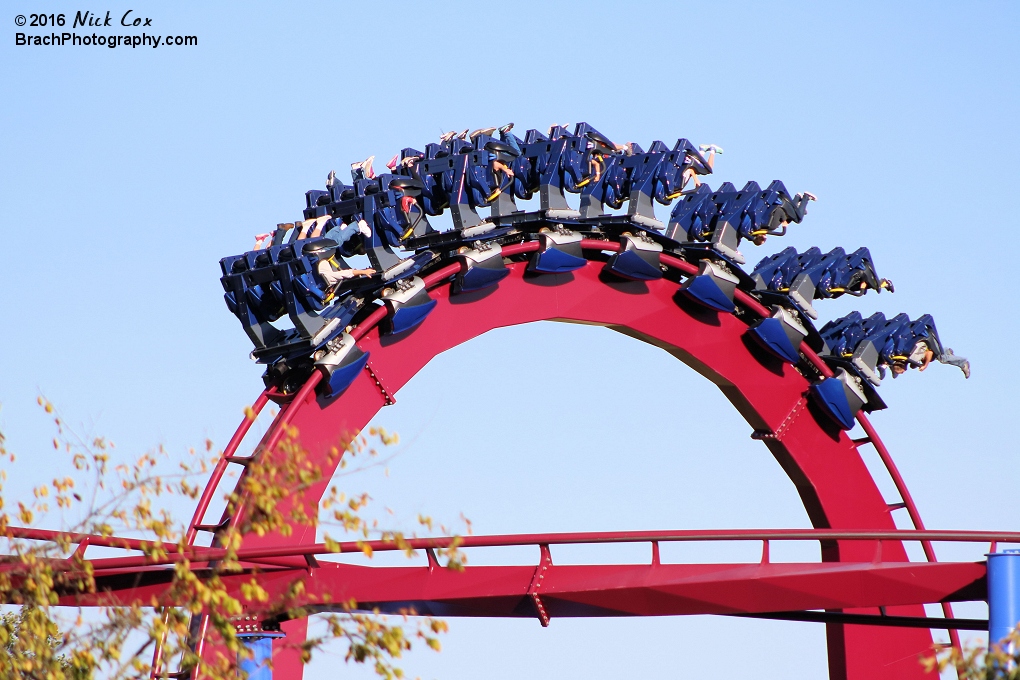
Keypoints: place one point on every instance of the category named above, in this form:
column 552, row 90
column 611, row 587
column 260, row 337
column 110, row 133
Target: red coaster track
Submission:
column 855, row 576
column 865, row 589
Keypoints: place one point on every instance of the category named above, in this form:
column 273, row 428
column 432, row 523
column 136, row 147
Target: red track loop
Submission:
column 822, row 462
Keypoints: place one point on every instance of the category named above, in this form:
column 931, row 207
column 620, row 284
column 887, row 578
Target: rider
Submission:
column 329, row 269
column 920, row 357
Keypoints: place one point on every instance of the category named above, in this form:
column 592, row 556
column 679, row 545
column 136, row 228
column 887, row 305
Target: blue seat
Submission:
column 871, row 344
column 669, row 174
column 693, row 217
column 606, row 190
column 811, row 276
column 642, row 175
column 861, row 348
column 553, row 157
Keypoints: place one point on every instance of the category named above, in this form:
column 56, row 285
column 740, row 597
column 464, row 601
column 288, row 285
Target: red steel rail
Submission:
column 200, row 556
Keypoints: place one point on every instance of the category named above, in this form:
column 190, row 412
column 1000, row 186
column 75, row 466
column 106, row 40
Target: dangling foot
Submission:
column 710, row 148
column 960, row 362
column 393, row 162
column 886, row 284
column 482, row 131
column 363, row 169
column 331, row 180
column 965, row 367
column 304, row 229
column 506, row 128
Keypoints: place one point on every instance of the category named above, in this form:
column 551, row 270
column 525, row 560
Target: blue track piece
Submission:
column 342, row 377
column 831, row 396
column 713, row 287
column 478, row 278
column 771, row 335
column 560, row 252
column 706, row 292
column 630, row 265
column 637, row 259
column 485, row 268
column 555, row 261
column 407, row 317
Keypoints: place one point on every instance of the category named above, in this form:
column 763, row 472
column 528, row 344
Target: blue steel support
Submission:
column 1003, row 594
column 260, row 645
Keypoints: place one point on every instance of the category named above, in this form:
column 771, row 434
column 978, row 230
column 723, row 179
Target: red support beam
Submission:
column 591, row 590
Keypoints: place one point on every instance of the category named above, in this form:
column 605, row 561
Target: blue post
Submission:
column 1003, row 594
column 261, row 647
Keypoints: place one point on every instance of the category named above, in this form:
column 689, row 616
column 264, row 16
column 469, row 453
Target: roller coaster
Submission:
column 338, row 343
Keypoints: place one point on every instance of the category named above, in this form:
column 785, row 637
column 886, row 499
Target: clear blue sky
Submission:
column 126, row 174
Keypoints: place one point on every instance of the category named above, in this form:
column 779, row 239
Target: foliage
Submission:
column 43, row 638
column 999, row 662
